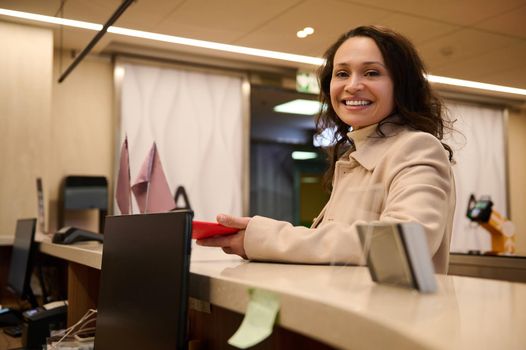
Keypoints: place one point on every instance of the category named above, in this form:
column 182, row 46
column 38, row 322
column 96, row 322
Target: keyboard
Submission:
column 9, row 318
column 13, row 331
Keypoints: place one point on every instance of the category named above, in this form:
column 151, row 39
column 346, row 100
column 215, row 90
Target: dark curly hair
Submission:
column 416, row 105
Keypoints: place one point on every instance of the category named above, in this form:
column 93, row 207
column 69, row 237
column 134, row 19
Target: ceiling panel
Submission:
column 511, row 23
column 142, row 15
column 89, row 11
column 329, row 18
column 490, row 64
column 511, row 77
column 418, row 30
column 222, row 20
column 145, row 14
column 461, row 12
column 460, row 45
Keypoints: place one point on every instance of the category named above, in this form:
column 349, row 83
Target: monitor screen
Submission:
column 144, row 282
column 21, row 265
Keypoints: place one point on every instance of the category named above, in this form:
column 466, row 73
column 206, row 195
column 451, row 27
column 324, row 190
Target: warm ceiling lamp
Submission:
column 305, row 32
column 299, row 106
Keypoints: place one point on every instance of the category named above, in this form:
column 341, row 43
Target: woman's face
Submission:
column 361, row 86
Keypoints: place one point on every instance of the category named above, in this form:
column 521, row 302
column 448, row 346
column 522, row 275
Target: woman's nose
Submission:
column 354, row 84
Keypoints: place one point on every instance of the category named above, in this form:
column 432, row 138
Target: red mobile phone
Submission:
column 202, row 229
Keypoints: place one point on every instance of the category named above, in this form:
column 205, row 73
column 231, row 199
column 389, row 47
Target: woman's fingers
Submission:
column 231, row 244
column 233, row 221
column 217, row 241
column 228, row 250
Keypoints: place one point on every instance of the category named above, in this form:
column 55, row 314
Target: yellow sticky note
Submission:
column 259, row 319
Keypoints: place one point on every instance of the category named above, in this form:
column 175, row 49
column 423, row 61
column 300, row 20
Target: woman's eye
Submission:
column 372, row 73
column 341, row 74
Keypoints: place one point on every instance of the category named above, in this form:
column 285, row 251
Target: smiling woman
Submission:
column 390, row 168
column 398, row 84
column 361, row 88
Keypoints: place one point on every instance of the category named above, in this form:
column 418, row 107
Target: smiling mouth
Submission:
column 357, row 103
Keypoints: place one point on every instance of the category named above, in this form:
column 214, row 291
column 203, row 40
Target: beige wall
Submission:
column 48, row 129
column 517, row 175
column 82, row 124
column 25, row 106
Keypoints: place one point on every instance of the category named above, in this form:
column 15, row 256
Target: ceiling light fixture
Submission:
column 305, row 32
column 299, row 106
column 316, row 61
column 302, row 155
column 308, row 30
column 475, row 85
column 50, row 19
column 301, row 34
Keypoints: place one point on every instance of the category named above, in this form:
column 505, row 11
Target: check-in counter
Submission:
column 499, row 267
column 332, row 306
column 6, row 240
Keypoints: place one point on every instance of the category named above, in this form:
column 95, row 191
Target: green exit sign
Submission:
column 307, row 82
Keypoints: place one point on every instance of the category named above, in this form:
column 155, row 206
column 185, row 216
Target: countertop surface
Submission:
column 6, row 240
column 343, row 307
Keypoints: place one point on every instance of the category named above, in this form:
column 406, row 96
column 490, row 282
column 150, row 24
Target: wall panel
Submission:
column 517, row 175
column 81, row 129
column 25, row 105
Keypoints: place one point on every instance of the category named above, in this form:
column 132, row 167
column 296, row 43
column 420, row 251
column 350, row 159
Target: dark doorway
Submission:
column 282, row 187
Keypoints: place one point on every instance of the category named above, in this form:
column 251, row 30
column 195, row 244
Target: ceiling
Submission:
column 481, row 40
column 467, row 39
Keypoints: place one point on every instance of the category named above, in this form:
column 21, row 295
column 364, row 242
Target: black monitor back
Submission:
column 144, row 283
column 21, row 265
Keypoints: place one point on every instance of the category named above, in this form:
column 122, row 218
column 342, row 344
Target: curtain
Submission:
column 479, row 150
column 196, row 121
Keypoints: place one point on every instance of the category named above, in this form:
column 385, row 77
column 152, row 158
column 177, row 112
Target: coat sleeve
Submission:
column 272, row 240
column 416, row 175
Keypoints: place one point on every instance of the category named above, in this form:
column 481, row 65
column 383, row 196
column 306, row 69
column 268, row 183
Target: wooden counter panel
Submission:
column 83, row 290
column 212, row 331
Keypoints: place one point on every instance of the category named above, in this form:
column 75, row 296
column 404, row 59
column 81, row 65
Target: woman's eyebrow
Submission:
column 373, row 62
column 366, row 63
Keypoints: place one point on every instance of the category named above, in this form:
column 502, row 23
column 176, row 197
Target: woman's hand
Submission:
column 231, row 244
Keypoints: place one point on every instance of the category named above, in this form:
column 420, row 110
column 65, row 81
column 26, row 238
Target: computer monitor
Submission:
column 21, row 265
column 144, row 282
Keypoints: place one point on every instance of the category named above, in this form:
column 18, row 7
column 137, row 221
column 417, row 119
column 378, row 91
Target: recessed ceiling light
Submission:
column 301, row 155
column 299, row 106
column 301, row 34
column 305, row 32
column 308, row 30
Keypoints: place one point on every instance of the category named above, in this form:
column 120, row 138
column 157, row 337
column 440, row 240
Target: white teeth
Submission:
column 357, row 103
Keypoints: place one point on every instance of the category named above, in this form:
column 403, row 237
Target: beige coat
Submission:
column 403, row 177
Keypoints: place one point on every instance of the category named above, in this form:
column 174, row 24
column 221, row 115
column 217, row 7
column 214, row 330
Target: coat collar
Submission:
column 369, row 146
